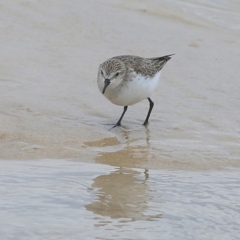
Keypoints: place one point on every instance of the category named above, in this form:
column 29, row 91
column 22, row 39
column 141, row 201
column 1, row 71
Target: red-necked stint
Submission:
column 126, row 80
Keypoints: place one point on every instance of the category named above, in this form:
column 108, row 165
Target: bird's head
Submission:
column 111, row 73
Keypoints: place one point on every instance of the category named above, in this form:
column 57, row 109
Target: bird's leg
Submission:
column 120, row 119
column 149, row 111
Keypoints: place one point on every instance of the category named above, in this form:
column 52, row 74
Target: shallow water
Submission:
column 54, row 199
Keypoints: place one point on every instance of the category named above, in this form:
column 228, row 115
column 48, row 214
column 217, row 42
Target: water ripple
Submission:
column 58, row 199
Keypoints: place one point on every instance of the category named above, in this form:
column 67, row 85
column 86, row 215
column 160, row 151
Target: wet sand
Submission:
column 50, row 104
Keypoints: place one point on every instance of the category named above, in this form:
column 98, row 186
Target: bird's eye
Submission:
column 116, row 74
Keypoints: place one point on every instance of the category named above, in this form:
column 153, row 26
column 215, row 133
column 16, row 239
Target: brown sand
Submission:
column 51, row 107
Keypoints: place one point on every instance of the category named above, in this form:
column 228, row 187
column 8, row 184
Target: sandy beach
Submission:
column 51, row 107
column 50, row 104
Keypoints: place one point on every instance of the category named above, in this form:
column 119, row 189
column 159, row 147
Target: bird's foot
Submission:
column 118, row 124
column 145, row 123
column 106, row 124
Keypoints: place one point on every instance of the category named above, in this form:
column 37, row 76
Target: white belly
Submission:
column 134, row 91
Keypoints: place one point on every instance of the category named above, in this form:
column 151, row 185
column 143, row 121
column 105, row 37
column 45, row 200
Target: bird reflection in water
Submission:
column 123, row 193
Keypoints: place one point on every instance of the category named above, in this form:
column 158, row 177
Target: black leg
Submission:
column 149, row 111
column 120, row 119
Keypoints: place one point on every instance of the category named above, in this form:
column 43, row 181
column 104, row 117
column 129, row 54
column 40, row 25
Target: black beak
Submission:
column 107, row 82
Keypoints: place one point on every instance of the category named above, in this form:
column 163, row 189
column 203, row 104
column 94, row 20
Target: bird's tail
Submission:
column 160, row 62
column 164, row 58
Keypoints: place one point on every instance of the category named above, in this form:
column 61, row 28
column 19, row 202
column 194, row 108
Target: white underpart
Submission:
column 134, row 91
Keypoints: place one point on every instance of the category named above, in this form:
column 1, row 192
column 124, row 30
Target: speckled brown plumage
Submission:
column 145, row 66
